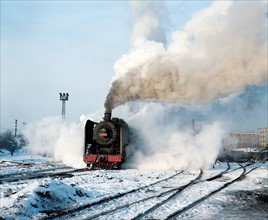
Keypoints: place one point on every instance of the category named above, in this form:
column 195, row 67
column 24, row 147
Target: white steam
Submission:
column 149, row 20
column 56, row 138
column 222, row 49
column 157, row 145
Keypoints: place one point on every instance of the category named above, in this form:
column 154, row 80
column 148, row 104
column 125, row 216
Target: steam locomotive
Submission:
column 105, row 143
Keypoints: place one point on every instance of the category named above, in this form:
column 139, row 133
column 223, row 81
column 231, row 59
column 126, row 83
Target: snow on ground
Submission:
column 31, row 198
column 24, row 161
column 245, row 199
column 22, row 156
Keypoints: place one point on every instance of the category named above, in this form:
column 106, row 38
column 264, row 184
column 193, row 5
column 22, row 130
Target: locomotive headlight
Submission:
column 103, row 133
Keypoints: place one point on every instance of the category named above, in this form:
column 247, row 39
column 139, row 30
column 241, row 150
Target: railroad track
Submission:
column 163, row 199
column 68, row 213
column 39, row 174
column 151, row 201
column 160, row 197
column 112, row 204
column 6, row 163
column 217, row 175
column 12, row 168
column 155, row 196
column 180, row 206
column 18, row 174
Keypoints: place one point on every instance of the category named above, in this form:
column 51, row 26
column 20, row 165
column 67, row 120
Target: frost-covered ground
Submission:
column 27, row 199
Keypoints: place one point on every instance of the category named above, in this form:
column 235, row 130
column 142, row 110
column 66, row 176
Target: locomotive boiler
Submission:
column 105, row 142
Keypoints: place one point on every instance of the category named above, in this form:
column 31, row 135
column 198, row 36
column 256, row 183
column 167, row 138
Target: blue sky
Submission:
column 49, row 47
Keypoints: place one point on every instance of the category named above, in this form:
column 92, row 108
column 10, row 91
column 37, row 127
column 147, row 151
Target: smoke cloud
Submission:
column 149, row 19
column 52, row 136
column 160, row 142
column 164, row 138
column 220, row 51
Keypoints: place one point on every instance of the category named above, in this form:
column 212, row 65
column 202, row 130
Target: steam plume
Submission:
column 53, row 137
column 167, row 146
column 148, row 20
column 221, row 49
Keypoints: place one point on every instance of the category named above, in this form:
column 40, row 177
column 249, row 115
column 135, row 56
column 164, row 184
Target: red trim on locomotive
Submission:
column 90, row 158
column 115, row 158
column 109, row 158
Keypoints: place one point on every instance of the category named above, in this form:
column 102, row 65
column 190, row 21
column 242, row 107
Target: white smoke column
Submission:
column 56, row 138
column 221, row 49
column 167, row 147
column 149, row 20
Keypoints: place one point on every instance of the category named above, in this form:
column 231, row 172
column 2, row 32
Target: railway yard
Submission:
column 37, row 187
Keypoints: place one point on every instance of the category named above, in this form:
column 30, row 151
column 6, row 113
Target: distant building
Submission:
column 240, row 146
column 263, row 137
column 244, row 139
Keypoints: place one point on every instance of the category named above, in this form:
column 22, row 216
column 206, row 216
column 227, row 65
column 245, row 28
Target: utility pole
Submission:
column 63, row 98
column 16, row 125
column 193, row 126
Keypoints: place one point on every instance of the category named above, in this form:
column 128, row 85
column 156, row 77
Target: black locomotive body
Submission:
column 105, row 142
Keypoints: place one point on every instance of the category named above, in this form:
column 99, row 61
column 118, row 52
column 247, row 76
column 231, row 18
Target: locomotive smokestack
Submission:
column 107, row 116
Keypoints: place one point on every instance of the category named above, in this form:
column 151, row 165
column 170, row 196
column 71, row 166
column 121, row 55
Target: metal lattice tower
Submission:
column 63, row 98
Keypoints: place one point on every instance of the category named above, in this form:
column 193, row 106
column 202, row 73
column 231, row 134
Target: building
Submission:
column 244, row 139
column 263, row 137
